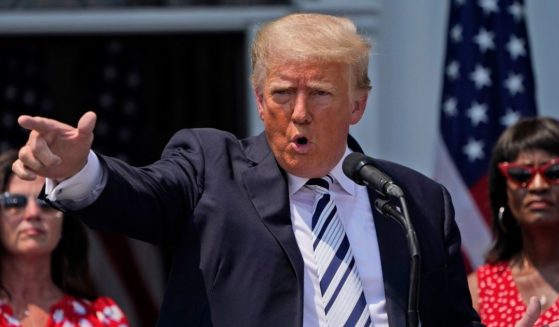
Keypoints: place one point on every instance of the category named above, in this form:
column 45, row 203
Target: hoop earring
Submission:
column 501, row 219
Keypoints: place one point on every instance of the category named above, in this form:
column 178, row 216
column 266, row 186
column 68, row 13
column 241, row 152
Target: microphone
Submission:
column 361, row 169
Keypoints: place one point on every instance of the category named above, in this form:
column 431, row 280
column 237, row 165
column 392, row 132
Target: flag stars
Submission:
column 129, row 107
column 480, row 76
column 102, row 128
column 453, row 70
column 514, row 84
column 488, row 6
column 110, row 73
column 106, row 100
column 473, row 150
column 114, row 48
column 516, row 47
column 484, row 40
column 133, row 80
column 30, row 70
column 517, row 11
column 8, row 120
column 29, row 98
column 10, row 92
column 450, row 107
column 477, row 113
column 456, row 33
column 509, row 118
column 46, row 105
column 124, row 135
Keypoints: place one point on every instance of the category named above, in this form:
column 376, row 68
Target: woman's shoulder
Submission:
column 492, row 269
column 75, row 309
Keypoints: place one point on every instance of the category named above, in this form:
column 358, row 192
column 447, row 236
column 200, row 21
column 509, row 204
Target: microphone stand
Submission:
column 400, row 214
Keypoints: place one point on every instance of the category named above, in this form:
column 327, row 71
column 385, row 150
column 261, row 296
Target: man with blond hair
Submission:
column 268, row 231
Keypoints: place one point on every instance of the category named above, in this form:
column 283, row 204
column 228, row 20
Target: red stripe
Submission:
column 480, row 194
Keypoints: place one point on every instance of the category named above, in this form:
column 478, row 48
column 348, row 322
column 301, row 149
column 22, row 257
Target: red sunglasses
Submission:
column 522, row 175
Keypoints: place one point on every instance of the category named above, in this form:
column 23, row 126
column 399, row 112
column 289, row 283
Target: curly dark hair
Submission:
column 527, row 134
column 69, row 263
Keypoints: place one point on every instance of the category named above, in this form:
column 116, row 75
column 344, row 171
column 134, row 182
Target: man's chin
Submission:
column 304, row 169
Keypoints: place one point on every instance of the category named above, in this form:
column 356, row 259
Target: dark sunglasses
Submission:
column 13, row 202
column 522, row 175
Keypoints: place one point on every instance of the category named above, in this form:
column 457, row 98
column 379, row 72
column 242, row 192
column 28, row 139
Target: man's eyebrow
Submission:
column 321, row 85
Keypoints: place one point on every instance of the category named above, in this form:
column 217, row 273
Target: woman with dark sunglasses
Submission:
column 523, row 262
column 44, row 275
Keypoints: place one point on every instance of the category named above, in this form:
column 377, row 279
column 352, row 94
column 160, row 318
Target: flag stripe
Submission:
column 476, row 237
column 488, row 85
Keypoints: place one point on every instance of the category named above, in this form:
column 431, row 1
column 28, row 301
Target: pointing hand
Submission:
column 54, row 149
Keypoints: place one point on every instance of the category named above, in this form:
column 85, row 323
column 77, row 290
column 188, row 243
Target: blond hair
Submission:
column 311, row 37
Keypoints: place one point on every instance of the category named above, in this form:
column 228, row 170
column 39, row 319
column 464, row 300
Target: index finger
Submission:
column 40, row 124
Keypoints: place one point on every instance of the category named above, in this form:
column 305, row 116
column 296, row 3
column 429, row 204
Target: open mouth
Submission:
column 301, row 140
column 301, row 144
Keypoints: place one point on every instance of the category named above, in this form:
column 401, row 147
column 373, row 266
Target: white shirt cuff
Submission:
column 81, row 189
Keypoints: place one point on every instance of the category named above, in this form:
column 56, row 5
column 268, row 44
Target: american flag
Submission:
column 488, row 85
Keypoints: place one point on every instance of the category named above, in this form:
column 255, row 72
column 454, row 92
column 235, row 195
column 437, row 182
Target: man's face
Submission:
column 307, row 109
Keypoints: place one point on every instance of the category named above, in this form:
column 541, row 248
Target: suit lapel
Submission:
column 266, row 185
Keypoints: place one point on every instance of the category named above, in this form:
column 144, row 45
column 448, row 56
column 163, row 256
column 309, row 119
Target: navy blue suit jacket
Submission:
column 223, row 205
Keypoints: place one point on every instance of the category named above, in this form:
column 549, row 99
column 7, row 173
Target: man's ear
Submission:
column 258, row 96
column 359, row 104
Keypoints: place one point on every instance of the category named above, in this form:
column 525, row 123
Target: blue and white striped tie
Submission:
column 342, row 293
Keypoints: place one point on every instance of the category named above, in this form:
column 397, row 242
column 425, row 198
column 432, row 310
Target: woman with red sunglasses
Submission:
column 523, row 262
column 44, row 275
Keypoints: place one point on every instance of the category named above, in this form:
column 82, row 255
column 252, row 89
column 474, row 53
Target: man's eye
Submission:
column 320, row 93
column 280, row 92
column 281, row 96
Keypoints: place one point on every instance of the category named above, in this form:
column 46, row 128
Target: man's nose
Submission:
column 301, row 113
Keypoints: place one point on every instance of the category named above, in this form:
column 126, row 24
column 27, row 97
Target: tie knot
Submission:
column 321, row 185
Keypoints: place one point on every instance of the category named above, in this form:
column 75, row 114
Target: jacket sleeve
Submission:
column 150, row 203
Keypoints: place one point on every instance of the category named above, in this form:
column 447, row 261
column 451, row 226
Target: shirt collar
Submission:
column 295, row 183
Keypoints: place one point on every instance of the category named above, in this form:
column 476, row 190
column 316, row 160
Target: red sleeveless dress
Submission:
column 500, row 304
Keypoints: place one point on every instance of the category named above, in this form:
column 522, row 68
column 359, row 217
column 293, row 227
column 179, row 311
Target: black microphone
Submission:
column 361, row 169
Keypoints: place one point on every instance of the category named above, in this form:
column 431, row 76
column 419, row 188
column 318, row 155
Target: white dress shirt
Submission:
column 355, row 213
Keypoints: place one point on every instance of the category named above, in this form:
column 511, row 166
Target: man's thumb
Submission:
column 87, row 122
column 532, row 313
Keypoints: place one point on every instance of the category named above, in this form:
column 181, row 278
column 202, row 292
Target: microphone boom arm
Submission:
column 362, row 170
column 402, row 217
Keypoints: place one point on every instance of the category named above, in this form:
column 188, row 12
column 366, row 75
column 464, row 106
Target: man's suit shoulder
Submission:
column 406, row 177
column 213, row 135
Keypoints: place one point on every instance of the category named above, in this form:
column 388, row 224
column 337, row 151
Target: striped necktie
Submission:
column 342, row 293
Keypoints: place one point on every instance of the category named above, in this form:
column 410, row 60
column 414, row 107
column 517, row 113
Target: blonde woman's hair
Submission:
column 311, row 37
